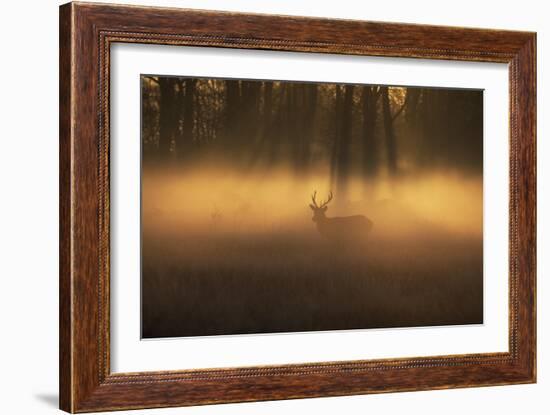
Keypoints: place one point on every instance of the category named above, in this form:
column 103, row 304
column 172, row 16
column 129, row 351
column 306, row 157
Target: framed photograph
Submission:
column 258, row 207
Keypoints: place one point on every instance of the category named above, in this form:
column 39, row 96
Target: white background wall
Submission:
column 29, row 205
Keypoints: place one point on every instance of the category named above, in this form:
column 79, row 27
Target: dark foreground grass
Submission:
column 224, row 283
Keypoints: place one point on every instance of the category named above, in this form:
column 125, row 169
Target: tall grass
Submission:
column 232, row 283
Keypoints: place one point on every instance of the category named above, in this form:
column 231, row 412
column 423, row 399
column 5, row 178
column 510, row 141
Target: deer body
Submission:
column 339, row 229
column 344, row 228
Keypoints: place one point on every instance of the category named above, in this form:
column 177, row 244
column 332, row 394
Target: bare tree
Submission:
column 168, row 118
column 391, row 151
column 341, row 151
column 369, row 101
column 185, row 137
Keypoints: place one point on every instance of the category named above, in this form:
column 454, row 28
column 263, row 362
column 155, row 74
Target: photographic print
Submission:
column 309, row 207
column 281, row 206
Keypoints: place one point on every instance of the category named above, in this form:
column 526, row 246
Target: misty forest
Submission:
column 281, row 206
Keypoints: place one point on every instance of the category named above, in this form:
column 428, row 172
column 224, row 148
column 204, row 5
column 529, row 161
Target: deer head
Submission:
column 319, row 210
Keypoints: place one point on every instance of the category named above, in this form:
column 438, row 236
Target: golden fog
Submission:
column 213, row 199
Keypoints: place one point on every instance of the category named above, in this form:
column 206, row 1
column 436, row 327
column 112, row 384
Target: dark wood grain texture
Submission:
column 65, row 138
column 86, row 33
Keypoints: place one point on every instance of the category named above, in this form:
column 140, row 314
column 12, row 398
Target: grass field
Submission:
column 223, row 282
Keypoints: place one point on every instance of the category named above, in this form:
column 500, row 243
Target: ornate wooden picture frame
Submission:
column 87, row 32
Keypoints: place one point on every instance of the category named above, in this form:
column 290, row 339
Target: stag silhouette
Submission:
column 339, row 229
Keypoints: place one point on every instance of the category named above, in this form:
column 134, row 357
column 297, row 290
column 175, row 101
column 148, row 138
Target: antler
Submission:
column 323, row 204
column 313, row 198
column 327, row 201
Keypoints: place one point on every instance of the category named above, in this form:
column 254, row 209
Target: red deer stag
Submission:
column 339, row 229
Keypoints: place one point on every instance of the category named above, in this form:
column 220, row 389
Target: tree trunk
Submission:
column 370, row 149
column 336, row 123
column 307, row 129
column 232, row 104
column 345, row 143
column 391, row 155
column 168, row 120
column 340, row 164
column 185, row 143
